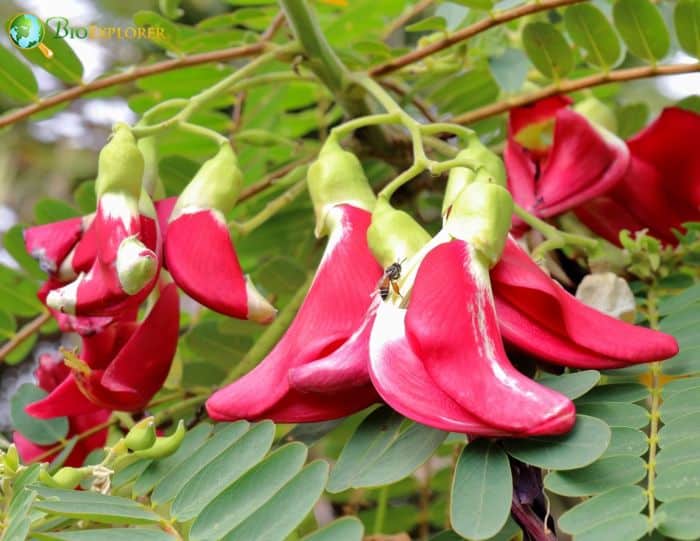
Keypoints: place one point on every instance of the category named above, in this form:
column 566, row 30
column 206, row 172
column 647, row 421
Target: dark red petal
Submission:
column 520, row 282
column 402, row 381
column 521, row 117
column 606, row 218
column 345, row 368
column 65, row 400
column 203, row 262
column 51, row 243
column 164, row 208
column 117, row 218
column 28, row 450
column 451, row 325
column 51, row 371
column 144, row 362
column 333, row 309
column 85, row 251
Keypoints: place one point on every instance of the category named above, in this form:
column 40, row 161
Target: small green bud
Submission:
column 120, row 165
column 394, row 235
column 12, row 459
column 142, row 435
column 488, row 167
column 164, row 446
column 337, row 177
column 481, row 216
column 65, row 477
column 598, row 113
column 216, row 185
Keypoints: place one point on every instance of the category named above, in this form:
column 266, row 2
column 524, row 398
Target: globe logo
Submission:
column 27, row 32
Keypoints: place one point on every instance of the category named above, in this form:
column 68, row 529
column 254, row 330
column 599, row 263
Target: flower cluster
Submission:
column 102, row 268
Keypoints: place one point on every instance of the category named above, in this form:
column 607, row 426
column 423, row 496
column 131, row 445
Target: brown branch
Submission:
column 564, row 87
column 421, row 105
column 269, row 180
column 466, row 33
column 405, row 17
column 23, row 334
column 275, row 25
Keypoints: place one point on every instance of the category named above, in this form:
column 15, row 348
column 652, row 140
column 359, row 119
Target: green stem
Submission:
column 463, row 133
column 655, row 390
column 413, row 171
column 270, row 336
column 204, row 132
column 382, row 501
column 370, row 120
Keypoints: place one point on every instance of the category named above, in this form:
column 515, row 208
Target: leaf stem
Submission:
column 382, row 502
column 23, row 334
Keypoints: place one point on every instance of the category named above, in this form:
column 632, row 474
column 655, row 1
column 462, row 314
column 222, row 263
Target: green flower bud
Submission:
column 216, row 185
column 152, row 183
column 120, row 165
column 337, row 177
column 488, row 167
column 142, row 435
column 12, row 458
column 481, row 216
column 394, row 235
column 598, row 113
column 164, row 446
column 65, row 477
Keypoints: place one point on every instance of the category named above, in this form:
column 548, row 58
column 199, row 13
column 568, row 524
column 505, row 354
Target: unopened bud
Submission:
column 164, row 446
column 142, row 435
column 394, row 235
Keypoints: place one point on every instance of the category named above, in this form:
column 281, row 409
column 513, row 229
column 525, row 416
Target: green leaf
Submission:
column 642, row 28
column 627, row 441
column 130, row 473
column 20, row 298
column 223, row 471
column 21, row 352
column 680, row 429
column 85, row 197
column 679, row 481
column 628, row 527
column 250, row 493
column 574, row 384
column 18, row 520
column 14, row 244
column 675, row 303
column 93, row 506
column 8, row 325
column 603, row 508
column 475, row 4
column 205, row 342
column 343, row 529
column 64, row 63
column 481, row 491
column 379, row 453
column 605, row 474
column 685, row 450
column 159, row 469
column 170, row 8
column 631, row 118
column 438, row 24
column 591, row 30
column 585, row 443
column 171, row 485
column 16, row 79
column 510, row 69
column 686, row 17
column 548, row 50
column 53, row 210
column 680, row 404
column 278, row 517
column 106, row 534
column 679, row 519
column 620, row 392
column 40, row 431
column 615, row 414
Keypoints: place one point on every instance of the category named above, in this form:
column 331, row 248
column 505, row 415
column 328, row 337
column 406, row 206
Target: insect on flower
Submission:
column 391, row 275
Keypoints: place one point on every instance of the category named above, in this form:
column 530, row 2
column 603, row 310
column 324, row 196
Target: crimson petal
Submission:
column 51, row 243
column 65, row 400
column 451, row 325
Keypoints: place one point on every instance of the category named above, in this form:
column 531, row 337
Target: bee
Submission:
column 391, row 274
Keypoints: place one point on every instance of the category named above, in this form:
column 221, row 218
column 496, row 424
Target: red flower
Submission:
column 326, row 325
column 661, row 189
column 50, row 373
column 582, row 161
column 538, row 316
column 121, row 367
column 456, row 374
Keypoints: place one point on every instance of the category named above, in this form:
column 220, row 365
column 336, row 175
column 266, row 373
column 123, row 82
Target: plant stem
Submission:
column 568, row 86
column 370, row 120
column 466, row 33
column 382, row 502
column 23, row 334
column 270, row 335
column 269, row 179
column 655, row 390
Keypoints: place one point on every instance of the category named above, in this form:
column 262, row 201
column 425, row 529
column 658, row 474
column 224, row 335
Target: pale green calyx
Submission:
column 215, row 186
column 394, row 235
column 136, row 265
column 481, row 216
column 152, row 183
column 120, row 165
column 598, row 113
column 336, row 177
column 487, row 167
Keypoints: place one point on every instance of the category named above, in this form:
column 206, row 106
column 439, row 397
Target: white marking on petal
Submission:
column 258, row 308
column 119, row 206
column 45, row 264
column 136, row 265
column 64, row 299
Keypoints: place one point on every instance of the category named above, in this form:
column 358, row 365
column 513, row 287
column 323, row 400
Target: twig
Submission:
column 275, row 25
column 23, row 334
column 466, row 33
column 421, row 105
column 405, row 17
column 269, row 180
column 564, row 87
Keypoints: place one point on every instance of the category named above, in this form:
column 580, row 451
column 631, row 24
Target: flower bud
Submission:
column 66, row 477
column 394, row 235
column 11, row 458
column 481, row 216
column 488, row 167
column 120, row 165
column 215, row 186
column 142, row 435
column 136, row 265
column 598, row 113
column 337, row 177
column 164, row 446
